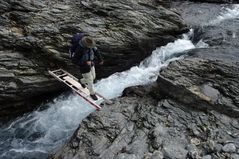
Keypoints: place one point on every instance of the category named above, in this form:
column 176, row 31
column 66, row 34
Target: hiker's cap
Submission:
column 88, row 42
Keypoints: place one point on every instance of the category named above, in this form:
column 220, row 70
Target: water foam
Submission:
column 227, row 14
column 43, row 129
column 146, row 72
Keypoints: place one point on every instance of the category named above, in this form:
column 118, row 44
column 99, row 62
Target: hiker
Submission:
column 83, row 52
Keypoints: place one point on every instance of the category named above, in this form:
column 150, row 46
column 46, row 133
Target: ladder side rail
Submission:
column 77, row 91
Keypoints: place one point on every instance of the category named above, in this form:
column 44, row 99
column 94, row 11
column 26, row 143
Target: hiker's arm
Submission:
column 98, row 55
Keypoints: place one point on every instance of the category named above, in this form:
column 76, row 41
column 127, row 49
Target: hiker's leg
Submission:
column 83, row 80
column 88, row 79
column 93, row 72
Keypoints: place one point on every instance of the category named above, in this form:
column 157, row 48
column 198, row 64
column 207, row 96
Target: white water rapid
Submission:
column 146, row 72
column 227, row 13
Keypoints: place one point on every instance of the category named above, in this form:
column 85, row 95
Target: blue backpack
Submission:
column 75, row 43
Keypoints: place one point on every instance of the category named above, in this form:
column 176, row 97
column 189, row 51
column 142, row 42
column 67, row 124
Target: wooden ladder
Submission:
column 73, row 83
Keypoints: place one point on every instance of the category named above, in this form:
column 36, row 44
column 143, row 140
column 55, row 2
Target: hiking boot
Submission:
column 93, row 96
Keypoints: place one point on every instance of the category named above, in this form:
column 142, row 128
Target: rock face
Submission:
column 216, row 26
column 206, row 81
column 34, row 37
column 136, row 127
column 209, row 75
column 191, row 111
column 21, row 78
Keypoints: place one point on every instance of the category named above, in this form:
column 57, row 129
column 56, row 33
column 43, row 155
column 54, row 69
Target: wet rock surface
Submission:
column 34, row 37
column 198, row 14
column 207, row 80
column 192, row 111
column 22, row 78
column 210, row 74
column 215, row 24
column 151, row 128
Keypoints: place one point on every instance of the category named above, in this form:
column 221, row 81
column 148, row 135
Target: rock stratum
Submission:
column 191, row 111
column 34, row 37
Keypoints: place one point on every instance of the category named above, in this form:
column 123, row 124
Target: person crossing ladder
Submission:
column 83, row 51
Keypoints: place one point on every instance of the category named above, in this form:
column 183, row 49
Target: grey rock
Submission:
column 223, row 37
column 192, row 151
column 157, row 136
column 157, row 155
column 207, row 157
column 188, row 85
column 218, row 147
column 117, row 132
column 191, row 147
column 234, row 156
column 126, row 156
column 174, row 151
column 230, row 148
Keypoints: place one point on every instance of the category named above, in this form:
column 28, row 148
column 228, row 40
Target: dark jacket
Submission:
column 82, row 55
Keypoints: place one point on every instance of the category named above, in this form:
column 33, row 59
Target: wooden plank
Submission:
column 76, row 79
column 72, row 81
column 77, row 85
column 56, row 71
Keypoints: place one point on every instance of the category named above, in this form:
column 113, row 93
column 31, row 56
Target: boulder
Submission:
column 229, row 148
column 207, row 157
column 206, row 80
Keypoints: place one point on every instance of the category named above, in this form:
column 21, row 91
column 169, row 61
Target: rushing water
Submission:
column 146, row 72
column 36, row 133
column 228, row 13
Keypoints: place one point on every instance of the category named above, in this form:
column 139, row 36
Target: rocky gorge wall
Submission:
column 34, row 37
column 192, row 110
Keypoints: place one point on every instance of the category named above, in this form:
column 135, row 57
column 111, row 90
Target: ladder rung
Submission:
column 55, row 71
column 62, row 75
